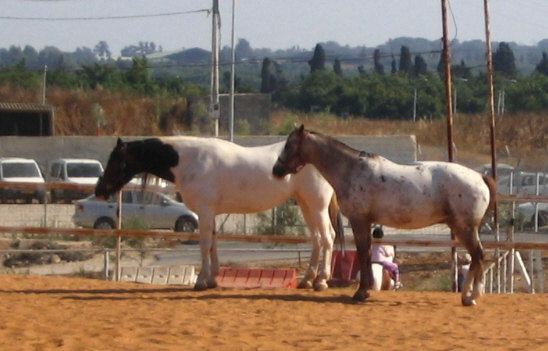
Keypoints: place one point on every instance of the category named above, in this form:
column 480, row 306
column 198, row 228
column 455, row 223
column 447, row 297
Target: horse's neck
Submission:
column 331, row 159
column 154, row 157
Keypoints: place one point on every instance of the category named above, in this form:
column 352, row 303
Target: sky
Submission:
column 273, row 24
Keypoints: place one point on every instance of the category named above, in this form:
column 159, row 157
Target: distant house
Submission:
column 26, row 119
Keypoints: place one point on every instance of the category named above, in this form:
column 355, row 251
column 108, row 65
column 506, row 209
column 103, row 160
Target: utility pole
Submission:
column 44, row 85
column 489, row 57
column 214, row 107
column 232, row 73
column 449, row 111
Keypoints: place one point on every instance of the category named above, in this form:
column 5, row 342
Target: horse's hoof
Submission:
column 360, row 296
column 469, row 301
column 320, row 285
column 305, row 284
column 200, row 286
column 212, row 284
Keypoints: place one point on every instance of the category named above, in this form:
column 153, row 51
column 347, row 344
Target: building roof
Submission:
column 25, row 106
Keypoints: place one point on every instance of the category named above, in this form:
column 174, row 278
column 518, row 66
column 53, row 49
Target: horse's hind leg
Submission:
column 215, row 267
column 472, row 287
column 206, row 226
column 327, row 236
column 362, row 236
column 311, row 272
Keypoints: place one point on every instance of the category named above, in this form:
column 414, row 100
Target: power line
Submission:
column 166, row 14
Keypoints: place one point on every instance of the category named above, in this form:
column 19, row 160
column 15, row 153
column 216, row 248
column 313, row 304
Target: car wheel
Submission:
column 104, row 223
column 185, row 224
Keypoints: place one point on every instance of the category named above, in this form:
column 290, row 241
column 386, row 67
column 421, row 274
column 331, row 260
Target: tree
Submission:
column 461, row 71
column 317, row 63
column 267, row 78
column 243, row 49
column 420, row 67
column 542, row 66
column 378, row 67
column 102, row 50
column 504, row 61
column 405, row 60
column 337, row 67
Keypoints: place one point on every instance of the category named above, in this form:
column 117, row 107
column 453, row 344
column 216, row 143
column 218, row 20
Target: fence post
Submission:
column 118, row 237
column 540, row 272
column 106, row 263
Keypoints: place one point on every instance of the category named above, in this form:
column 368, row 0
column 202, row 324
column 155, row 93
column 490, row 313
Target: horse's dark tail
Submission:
column 336, row 221
column 490, row 182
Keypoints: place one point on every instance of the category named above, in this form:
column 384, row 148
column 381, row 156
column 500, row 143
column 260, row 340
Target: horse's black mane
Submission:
column 154, row 156
column 343, row 146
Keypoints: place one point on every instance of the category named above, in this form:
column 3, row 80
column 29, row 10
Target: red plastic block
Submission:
column 257, row 278
column 344, row 268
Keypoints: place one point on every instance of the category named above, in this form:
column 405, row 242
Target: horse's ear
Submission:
column 120, row 144
column 301, row 129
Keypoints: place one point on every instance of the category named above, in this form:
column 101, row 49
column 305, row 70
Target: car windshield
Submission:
column 20, row 169
column 80, row 170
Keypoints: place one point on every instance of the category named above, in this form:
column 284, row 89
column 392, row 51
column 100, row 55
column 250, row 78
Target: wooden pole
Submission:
column 491, row 96
column 119, row 237
column 449, row 112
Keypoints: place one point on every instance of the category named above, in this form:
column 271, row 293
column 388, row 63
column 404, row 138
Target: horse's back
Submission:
column 421, row 194
column 228, row 177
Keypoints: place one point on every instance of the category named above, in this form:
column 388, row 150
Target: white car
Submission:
column 527, row 211
column 524, row 183
column 21, row 170
column 74, row 171
column 154, row 209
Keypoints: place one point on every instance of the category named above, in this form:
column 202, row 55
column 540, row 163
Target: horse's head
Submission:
column 290, row 160
column 117, row 173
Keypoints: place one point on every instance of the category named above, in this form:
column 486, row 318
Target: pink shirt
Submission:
column 382, row 253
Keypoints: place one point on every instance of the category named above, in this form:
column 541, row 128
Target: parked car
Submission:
column 503, row 169
column 527, row 211
column 75, row 171
column 156, row 210
column 16, row 169
column 524, row 183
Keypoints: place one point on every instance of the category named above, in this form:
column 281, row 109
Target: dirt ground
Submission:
column 75, row 313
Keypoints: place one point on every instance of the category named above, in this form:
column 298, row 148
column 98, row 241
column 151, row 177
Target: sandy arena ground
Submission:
column 72, row 313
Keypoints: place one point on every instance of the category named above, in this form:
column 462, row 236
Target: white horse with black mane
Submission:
column 215, row 177
column 371, row 189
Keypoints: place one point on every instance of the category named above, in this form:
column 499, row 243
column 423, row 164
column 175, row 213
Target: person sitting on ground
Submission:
column 385, row 255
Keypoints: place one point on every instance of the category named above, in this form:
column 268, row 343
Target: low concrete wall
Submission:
column 401, row 148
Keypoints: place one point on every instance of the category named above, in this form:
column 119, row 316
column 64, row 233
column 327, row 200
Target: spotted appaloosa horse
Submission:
column 371, row 189
column 215, row 177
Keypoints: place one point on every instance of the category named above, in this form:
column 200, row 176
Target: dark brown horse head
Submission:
column 290, row 160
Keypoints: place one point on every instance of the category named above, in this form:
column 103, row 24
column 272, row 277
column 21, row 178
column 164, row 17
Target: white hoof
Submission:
column 320, row 285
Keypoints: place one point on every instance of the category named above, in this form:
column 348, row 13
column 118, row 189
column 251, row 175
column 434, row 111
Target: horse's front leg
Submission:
column 206, row 228
column 362, row 236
